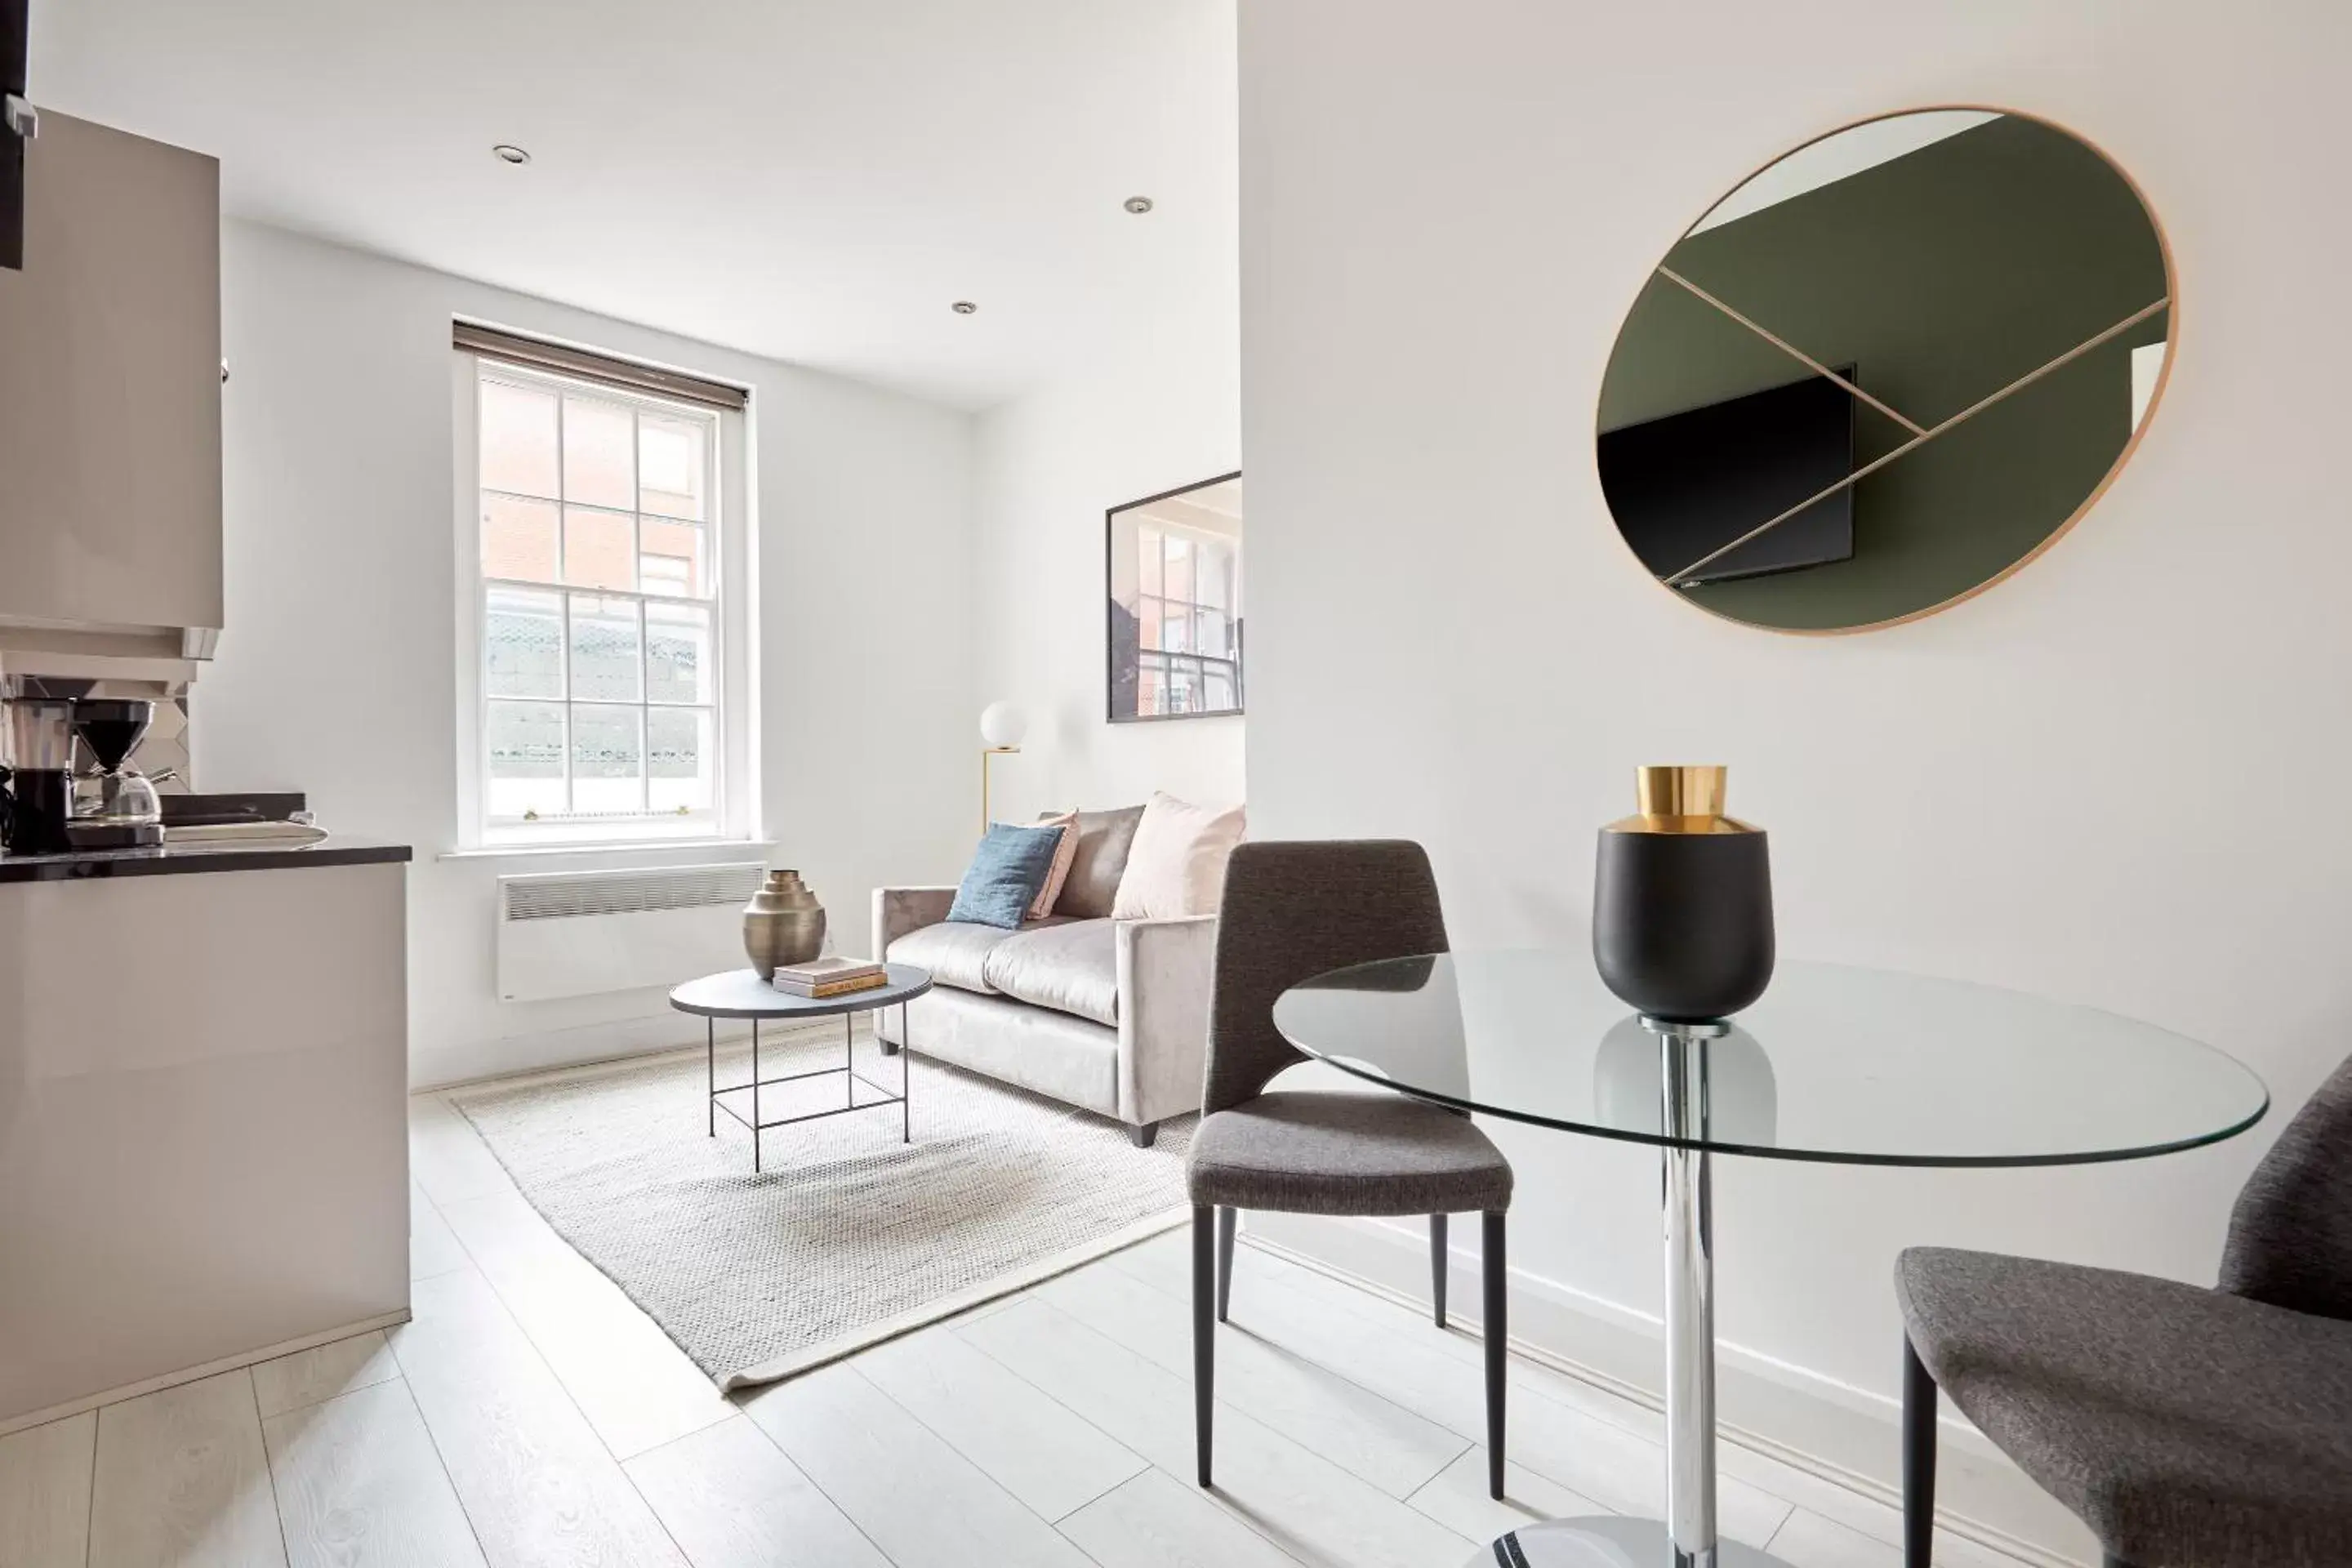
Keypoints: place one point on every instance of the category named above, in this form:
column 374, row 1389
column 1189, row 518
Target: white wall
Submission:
column 1050, row 465
column 336, row 673
column 2083, row 783
column 1154, row 410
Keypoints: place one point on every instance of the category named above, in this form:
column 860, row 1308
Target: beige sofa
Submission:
column 1108, row 1016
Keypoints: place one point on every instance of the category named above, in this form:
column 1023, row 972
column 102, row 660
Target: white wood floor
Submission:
column 530, row 1415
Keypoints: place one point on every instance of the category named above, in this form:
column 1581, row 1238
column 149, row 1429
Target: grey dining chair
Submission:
column 1292, row 910
column 2189, row 1429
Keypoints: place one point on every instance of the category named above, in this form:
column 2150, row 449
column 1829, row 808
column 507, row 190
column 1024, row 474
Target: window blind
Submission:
column 491, row 342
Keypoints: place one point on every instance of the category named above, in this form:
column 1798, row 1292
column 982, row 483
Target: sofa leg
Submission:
column 1204, row 1329
column 1226, row 1215
column 1145, row 1136
column 1919, row 1460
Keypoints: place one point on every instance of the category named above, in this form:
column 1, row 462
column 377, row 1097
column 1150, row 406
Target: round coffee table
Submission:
column 1847, row 1067
column 741, row 993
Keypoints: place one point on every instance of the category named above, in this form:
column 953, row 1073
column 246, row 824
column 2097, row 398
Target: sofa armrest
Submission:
column 897, row 910
column 1164, row 969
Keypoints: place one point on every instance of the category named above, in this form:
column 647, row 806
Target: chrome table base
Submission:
column 1608, row 1540
column 1687, row 1537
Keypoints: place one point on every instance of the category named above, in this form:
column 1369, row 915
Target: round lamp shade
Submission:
column 1003, row 724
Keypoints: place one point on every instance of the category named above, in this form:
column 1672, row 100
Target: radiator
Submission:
column 579, row 933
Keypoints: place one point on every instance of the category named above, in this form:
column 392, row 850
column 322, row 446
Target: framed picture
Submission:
column 1173, row 591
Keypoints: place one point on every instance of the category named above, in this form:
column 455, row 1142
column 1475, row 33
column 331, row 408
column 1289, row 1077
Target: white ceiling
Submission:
column 810, row 180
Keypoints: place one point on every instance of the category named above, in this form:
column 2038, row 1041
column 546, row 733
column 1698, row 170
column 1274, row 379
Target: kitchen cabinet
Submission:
column 109, row 391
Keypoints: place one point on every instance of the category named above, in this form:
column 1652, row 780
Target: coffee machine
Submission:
column 114, row 806
column 37, row 777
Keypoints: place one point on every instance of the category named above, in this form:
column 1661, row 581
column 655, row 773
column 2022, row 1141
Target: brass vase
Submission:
column 1682, row 901
column 784, row 923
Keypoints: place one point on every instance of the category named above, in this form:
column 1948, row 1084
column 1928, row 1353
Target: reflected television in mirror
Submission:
column 1174, row 622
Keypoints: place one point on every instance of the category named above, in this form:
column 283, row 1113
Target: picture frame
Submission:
column 1173, row 622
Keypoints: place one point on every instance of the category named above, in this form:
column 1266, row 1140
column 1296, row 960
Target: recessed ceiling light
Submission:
column 1139, row 205
column 963, row 307
column 510, row 154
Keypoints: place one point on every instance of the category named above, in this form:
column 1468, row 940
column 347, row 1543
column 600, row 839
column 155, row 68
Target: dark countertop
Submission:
column 189, row 858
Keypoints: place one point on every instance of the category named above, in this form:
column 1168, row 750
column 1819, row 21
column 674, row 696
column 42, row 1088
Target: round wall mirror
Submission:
column 1886, row 370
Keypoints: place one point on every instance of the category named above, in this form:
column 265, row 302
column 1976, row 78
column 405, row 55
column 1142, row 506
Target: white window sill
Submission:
column 631, row 847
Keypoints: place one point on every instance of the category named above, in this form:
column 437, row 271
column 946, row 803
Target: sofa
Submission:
column 1111, row 1015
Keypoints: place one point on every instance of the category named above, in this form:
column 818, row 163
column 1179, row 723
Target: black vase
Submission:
column 1682, row 901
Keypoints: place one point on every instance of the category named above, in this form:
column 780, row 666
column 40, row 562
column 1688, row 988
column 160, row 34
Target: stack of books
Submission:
column 829, row 977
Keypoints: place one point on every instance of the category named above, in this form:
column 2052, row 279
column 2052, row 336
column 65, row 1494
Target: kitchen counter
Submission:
column 182, row 858
column 204, row 1131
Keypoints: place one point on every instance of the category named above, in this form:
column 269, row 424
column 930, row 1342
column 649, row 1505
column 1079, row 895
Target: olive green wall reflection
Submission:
column 1942, row 275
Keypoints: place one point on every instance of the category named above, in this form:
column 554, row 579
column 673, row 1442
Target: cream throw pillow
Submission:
column 1176, row 864
column 1065, row 854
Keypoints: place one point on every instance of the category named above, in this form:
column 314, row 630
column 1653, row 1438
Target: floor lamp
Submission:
column 1002, row 725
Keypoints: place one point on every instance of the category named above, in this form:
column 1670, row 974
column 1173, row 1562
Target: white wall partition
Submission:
column 2076, row 783
column 336, row 673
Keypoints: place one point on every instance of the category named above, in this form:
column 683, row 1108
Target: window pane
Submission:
column 608, row 760
column 1212, row 571
column 1180, row 567
column 600, row 454
column 1147, row 551
column 525, row 745
column 518, row 439
column 677, row 654
column 522, row 644
column 607, row 653
column 518, row 539
column 600, row 549
column 1147, row 619
column 680, row 760
column 669, row 558
column 1214, row 632
column 1183, row 686
column 1176, row 629
column 670, row 466
column 1151, row 687
column 1217, row 689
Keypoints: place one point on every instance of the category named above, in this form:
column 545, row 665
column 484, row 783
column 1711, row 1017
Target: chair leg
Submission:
column 1225, row 1218
column 1204, row 1329
column 1497, row 1331
column 1437, row 1268
column 1919, row 1460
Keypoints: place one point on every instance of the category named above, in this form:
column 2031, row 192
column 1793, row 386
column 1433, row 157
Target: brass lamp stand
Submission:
column 1002, row 725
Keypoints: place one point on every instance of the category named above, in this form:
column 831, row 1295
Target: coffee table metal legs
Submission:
column 710, row 1075
column 756, row 1117
column 1687, row 1537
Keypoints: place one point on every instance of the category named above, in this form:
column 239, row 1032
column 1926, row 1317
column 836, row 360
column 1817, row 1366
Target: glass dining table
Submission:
column 1835, row 1065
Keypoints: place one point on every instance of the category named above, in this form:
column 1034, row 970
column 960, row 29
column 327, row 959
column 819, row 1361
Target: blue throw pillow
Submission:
column 1007, row 872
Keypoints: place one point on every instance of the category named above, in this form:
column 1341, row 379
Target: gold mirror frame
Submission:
column 2169, row 302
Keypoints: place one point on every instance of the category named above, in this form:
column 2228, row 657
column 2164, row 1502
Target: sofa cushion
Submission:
column 1066, row 851
column 1097, row 863
column 955, row 952
column 1071, row 967
column 1176, row 864
column 1007, row 872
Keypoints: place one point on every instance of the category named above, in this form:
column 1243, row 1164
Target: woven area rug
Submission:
column 848, row 1237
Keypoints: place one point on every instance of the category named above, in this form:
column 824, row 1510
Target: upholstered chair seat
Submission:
column 2189, row 1429
column 2183, row 1425
column 1292, row 911
column 1304, row 1151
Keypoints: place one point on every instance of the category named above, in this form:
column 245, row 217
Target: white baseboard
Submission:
column 190, row 1375
column 1843, row 1434
column 527, row 1058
